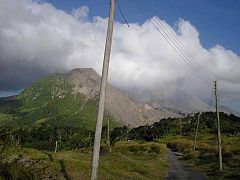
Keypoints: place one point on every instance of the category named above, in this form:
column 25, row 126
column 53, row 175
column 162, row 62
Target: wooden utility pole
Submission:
column 108, row 138
column 56, row 120
column 195, row 140
column 56, row 146
column 181, row 131
column 218, row 126
column 97, row 139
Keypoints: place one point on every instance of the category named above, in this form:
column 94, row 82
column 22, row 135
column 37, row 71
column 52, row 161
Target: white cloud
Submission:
column 80, row 13
column 37, row 39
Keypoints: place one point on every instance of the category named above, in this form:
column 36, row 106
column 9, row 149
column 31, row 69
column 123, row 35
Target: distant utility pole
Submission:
column 56, row 120
column 56, row 146
column 218, row 124
column 97, row 139
column 195, row 140
column 181, row 126
column 108, row 138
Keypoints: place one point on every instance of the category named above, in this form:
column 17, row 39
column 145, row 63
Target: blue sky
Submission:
column 217, row 20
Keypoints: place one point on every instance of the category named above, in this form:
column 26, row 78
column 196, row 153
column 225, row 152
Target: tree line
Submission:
column 42, row 136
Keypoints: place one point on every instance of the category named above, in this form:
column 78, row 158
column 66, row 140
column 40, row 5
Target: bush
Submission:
column 135, row 148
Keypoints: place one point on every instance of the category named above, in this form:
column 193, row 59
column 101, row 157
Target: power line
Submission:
column 172, row 34
column 173, row 46
column 119, row 7
column 176, row 48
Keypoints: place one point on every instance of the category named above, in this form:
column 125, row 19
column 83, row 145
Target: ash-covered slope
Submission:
column 173, row 100
column 127, row 111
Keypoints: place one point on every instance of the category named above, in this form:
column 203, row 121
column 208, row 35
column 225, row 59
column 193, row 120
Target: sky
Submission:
column 46, row 36
column 217, row 20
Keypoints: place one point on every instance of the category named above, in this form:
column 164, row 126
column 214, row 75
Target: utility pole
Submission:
column 56, row 120
column 108, row 134
column 56, row 146
column 181, row 131
column 75, row 92
column 195, row 140
column 97, row 139
column 218, row 126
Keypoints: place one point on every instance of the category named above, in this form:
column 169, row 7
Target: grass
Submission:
column 5, row 118
column 24, row 163
column 128, row 160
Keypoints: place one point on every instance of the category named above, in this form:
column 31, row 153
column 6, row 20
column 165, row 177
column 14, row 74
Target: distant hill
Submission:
column 71, row 100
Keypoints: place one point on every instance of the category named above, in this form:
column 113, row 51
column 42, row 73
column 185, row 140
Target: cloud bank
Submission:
column 37, row 39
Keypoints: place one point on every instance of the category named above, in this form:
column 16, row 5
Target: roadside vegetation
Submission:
column 128, row 160
column 28, row 138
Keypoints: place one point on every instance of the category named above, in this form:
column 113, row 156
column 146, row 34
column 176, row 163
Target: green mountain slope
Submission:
column 51, row 100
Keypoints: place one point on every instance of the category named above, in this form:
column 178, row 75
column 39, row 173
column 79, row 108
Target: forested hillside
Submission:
column 50, row 101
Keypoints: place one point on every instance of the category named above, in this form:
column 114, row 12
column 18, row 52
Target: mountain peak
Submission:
column 83, row 75
column 88, row 73
column 85, row 81
column 83, row 70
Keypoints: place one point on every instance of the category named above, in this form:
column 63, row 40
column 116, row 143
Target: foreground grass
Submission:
column 128, row 160
column 205, row 157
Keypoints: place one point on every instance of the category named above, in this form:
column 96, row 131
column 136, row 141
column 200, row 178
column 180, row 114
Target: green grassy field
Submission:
column 128, row 160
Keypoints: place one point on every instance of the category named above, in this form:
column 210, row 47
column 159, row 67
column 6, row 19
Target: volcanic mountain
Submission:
column 126, row 110
column 72, row 99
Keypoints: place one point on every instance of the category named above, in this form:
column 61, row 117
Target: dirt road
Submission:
column 178, row 170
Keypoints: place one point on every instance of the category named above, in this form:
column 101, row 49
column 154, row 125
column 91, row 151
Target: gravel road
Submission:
column 178, row 170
